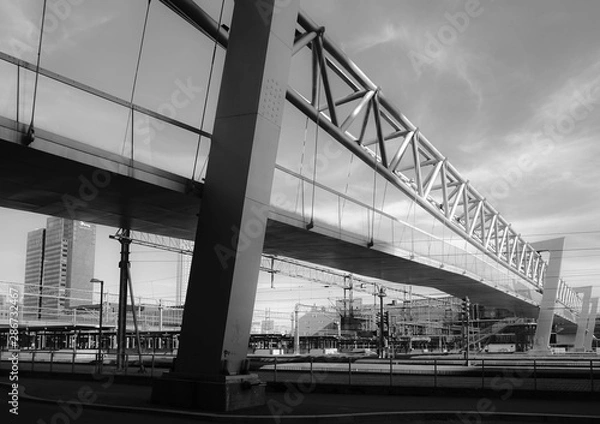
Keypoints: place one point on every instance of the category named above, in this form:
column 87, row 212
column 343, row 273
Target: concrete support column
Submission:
column 541, row 342
column 591, row 325
column 582, row 320
column 122, row 314
column 211, row 367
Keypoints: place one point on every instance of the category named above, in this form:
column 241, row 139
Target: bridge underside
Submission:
column 37, row 181
column 288, row 240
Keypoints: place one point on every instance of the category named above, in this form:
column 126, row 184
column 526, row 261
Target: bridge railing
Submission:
column 340, row 215
column 493, row 373
column 93, row 121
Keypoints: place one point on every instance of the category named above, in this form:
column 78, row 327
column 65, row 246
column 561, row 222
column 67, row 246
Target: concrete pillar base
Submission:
column 210, row 393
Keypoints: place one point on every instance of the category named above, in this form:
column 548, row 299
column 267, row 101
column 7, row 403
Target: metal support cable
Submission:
column 135, row 79
column 302, row 156
column 347, row 185
column 210, row 76
column 31, row 131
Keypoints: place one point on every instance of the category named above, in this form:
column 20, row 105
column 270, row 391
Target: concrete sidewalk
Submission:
column 295, row 406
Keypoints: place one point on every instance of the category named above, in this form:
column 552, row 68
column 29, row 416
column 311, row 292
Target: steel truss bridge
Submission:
column 75, row 174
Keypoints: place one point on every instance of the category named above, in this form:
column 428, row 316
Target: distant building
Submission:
column 267, row 326
column 4, row 308
column 256, row 327
column 319, row 322
column 59, row 265
column 34, row 268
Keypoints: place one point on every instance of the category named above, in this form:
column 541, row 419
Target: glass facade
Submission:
column 33, row 273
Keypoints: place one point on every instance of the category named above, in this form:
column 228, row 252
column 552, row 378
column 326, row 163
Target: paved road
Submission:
column 283, row 407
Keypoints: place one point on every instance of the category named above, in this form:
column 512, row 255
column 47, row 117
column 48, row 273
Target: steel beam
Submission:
column 191, row 12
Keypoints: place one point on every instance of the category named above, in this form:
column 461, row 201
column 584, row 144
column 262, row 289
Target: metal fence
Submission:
column 503, row 375
column 150, row 364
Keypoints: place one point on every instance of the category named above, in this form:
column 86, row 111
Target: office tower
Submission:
column 67, row 256
column 34, row 266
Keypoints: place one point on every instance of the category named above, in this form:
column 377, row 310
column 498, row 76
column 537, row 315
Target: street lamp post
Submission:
column 100, row 359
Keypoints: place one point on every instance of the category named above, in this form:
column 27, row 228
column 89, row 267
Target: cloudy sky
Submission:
column 508, row 91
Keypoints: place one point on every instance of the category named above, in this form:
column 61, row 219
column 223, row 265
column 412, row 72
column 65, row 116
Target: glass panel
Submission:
column 383, row 229
column 20, row 28
column 326, row 210
column 80, row 116
column 355, row 220
column 292, row 140
column 214, row 90
column 96, row 43
column 164, row 146
column 175, row 67
column 8, row 90
column 26, row 84
column 285, row 193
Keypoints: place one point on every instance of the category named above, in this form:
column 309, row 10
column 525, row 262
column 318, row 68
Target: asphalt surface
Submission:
column 54, row 401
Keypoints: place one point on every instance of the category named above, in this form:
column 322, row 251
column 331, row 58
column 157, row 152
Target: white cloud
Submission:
column 454, row 60
column 67, row 36
column 578, row 94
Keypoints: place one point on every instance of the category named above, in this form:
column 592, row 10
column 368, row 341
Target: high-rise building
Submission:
column 34, row 268
column 63, row 254
column 4, row 308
